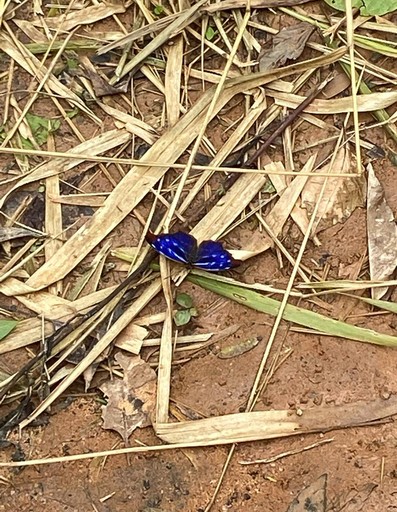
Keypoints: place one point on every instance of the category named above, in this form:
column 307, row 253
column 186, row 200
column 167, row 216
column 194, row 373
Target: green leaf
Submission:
column 210, row 33
column 26, row 144
column 72, row 63
column 367, row 7
column 41, row 127
column 391, row 155
column 159, row 9
column 268, row 188
column 182, row 317
column 193, row 312
column 300, row 316
column 378, row 303
column 6, row 326
column 72, row 113
column 184, row 300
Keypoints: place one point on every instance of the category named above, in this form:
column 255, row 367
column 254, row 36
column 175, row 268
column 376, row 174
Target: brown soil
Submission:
column 319, row 371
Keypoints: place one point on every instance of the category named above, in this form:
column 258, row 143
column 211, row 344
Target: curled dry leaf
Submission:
column 100, row 86
column 341, row 197
column 288, row 44
column 382, row 234
column 131, row 400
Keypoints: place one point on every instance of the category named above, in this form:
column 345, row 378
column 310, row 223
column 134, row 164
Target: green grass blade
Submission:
column 294, row 314
column 6, row 326
column 378, row 303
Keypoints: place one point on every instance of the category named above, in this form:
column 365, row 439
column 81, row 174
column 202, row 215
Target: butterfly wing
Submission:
column 213, row 257
column 180, row 247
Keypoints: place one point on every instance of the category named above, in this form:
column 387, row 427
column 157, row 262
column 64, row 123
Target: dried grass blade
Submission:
column 32, row 65
column 173, row 74
column 365, row 102
column 227, row 5
column 30, row 331
column 131, row 123
column 184, row 19
column 84, row 16
column 151, row 28
column 139, row 181
column 228, row 208
column 100, row 144
column 128, row 315
column 252, row 426
column 288, row 198
column 165, row 359
column 254, row 113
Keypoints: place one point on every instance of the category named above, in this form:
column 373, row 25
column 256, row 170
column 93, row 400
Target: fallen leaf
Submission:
column 355, row 499
column 288, row 44
column 100, row 85
column 312, row 498
column 132, row 399
column 382, row 234
column 15, row 232
column 341, row 197
column 239, row 348
column 339, row 83
column 367, row 8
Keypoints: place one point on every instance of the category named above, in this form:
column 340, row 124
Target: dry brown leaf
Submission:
column 382, row 234
column 341, row 196
column 313, row 497
column 337, row 85
column 131, row 400
column 100, row 86
column 288, row 44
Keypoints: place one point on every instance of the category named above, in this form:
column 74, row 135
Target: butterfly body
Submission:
column 183, row 248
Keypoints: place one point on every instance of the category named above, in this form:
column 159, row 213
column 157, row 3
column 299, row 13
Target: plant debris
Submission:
column 131, row 400
column 382, row 234
column 288, row 44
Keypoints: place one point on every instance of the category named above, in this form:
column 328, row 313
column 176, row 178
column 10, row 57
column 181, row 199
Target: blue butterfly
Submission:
column 183, row 248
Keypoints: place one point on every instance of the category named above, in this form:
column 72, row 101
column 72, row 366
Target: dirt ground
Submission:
column 361, row 463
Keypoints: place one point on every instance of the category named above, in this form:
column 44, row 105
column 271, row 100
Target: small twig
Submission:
column 287, row 122
column 285, row 454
